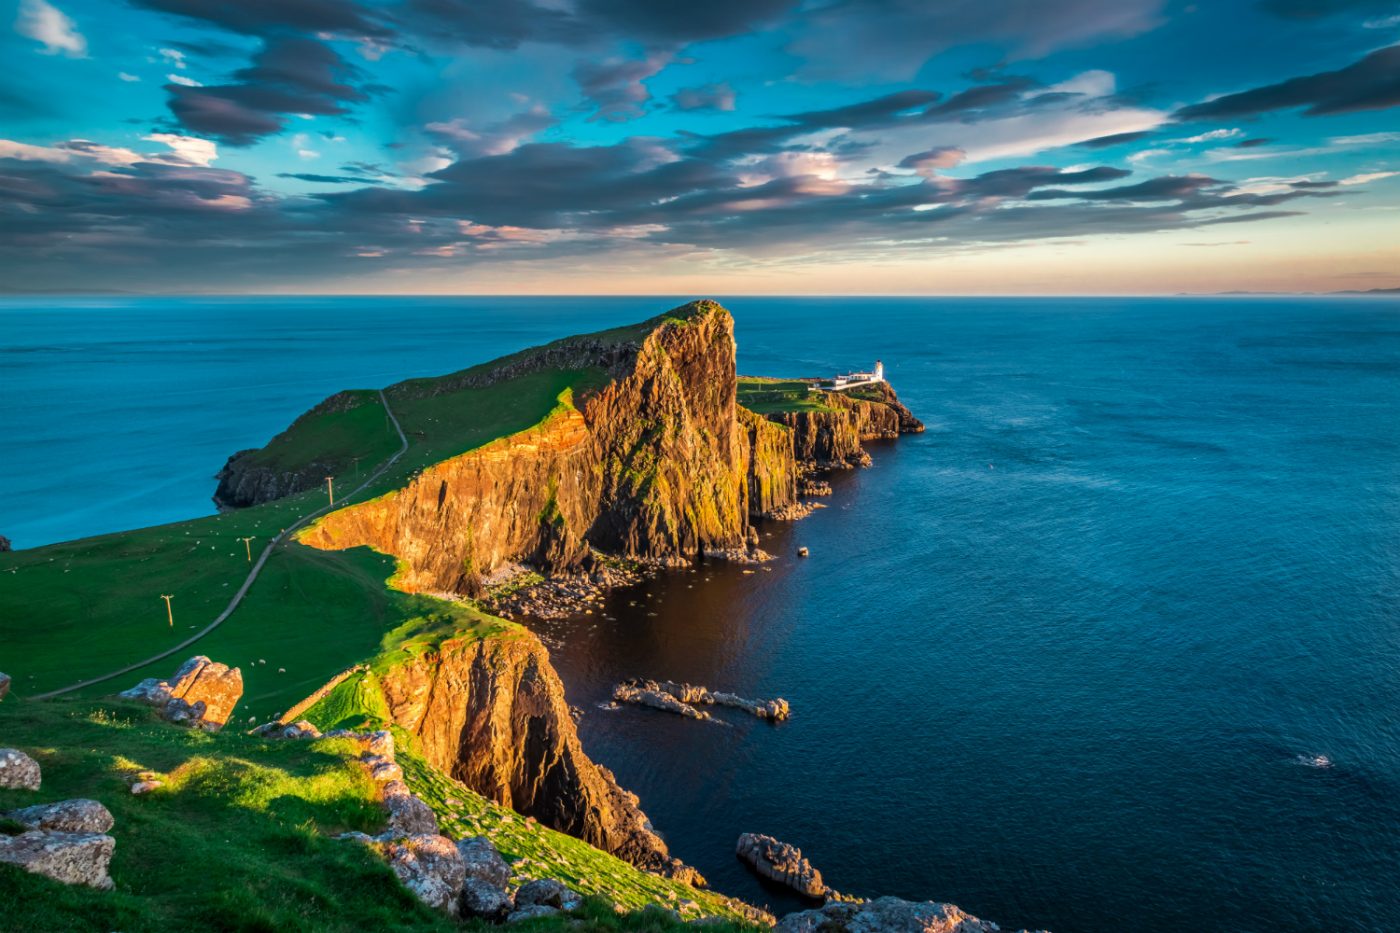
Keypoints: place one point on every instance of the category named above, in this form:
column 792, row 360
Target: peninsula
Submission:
column 362, row 669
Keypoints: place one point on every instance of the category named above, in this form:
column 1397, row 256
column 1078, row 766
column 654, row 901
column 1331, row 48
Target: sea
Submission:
column 1114, row 645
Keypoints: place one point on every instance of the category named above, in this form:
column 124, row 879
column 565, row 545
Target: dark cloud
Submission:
column 1316, row 9
column 613, row 87
column 1253, row 142
column 894, row 37
column 678, row 23
column 328, row 179
column 1373, row 83
column 278, row 17
column 979, row 99
column 878, row 111
column 1116, row 139
column 704, row 97
column 288, row 76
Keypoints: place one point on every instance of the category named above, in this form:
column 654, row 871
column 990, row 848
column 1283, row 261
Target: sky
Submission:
column 711, row 147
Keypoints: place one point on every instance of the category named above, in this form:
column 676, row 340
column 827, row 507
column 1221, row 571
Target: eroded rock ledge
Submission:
column 683, row 699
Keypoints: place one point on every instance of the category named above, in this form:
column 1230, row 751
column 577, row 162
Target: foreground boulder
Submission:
column 485, row 901
column 72, row 858
column 885, row 915
column 202, row 693
column 430, row 867
column 18, row 770
column 68, row 816
column 546, row 892
column 481, row 860
column 780, row 862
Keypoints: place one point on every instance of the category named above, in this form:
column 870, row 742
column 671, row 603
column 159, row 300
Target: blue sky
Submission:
column 650, row 147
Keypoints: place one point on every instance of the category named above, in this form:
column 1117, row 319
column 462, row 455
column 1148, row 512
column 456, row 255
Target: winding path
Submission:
column 252, row 574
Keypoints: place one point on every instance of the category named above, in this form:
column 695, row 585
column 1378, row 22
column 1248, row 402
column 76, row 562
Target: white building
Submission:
column 847, row 380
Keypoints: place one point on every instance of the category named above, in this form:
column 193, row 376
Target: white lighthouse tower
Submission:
column 879, row 374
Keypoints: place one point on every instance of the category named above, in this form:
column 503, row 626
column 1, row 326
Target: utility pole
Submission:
column 357, row 465
column 330, row 488
column 169, row 613
column 248, row 545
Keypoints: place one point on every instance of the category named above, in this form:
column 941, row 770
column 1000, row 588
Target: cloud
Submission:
column 1373, row 83
column 1116, row 139
column 492, row 139
column 277, row 17
column 48, row 25
column 188, row 149
column 892, row 38
column 704, row 97
column 1214, row 136
column 287, row 76
column 613, row 87
column 1366, row 178
column 127, row 77
column 182, row 80
column 928, row 162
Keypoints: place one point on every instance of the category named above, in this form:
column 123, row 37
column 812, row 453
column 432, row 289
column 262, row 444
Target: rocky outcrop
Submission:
column 202, row 694
column 491, row 713
column 18, row 771
column 885, row 915
column 429, row 866
column 72, row 858
column 832, row 439
column 67, row 816
column 654, row 466
column 683, row 698
column 780, row 862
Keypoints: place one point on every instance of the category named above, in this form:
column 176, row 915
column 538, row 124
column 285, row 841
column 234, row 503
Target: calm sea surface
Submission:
column 1114, row 646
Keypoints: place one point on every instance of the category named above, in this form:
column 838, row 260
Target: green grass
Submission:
column 765, row 396
column 348, row 432
column 238, row 838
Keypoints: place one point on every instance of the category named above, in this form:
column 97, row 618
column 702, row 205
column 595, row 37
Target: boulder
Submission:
column 429, row 866
column 780, row 862
column 381, row 743
column 481, row 860
column 408, row 816
column 484, row 900
column 202, row 693
column 546, row 892
column 68, row 816
column 4, row 685
column 301, row 729
column 72, row 858
column 885, row 915
column 531, row 913
column 18, row 770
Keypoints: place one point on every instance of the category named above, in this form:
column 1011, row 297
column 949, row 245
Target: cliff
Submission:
column 491, row 713
column 655, row 464
column 832, row 438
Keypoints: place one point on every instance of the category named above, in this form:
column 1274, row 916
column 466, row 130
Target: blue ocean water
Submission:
column 1114, row 645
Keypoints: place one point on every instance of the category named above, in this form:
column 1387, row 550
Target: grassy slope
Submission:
column 764, row 396
column 354, row 428
column 238, row 838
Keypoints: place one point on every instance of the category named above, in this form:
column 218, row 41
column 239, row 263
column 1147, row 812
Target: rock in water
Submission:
column 481, row 860
column 639, row 692
column 429, row 866
column 72, row 858
column 18, row 770
column 885, row 915
column 780, row 862
column 68, row 816
column 202, row 693
column 683, row 698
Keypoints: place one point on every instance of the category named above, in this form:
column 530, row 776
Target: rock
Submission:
column 408, row 816
column 683, row 698
column 72, row 858
column 4, row 685
column 203, row 693
column 18, row 770
column 549, row 893
column 484, row 900
column 780, row 862
column 531, row 913
column 383, row 770
column 802, row 552
column 885, row 915
column 429, row 866
column 638, row 693
column 68, row 816
column 301, row 729
column 381, row 743
column 481, row 860
column 145, row 787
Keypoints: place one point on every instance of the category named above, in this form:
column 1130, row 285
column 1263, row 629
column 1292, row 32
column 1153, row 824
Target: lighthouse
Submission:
column 879, row 374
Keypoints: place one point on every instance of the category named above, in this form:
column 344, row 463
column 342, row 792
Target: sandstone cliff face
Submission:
column 491, row 713
column 655, row 465
column 832, row 439
column 772, row 472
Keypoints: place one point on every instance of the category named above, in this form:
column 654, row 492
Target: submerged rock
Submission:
column 18, row 770
column 780, row 862
column 68, row 816
column 72, row 858
column 885, row 915
column 202, row 693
